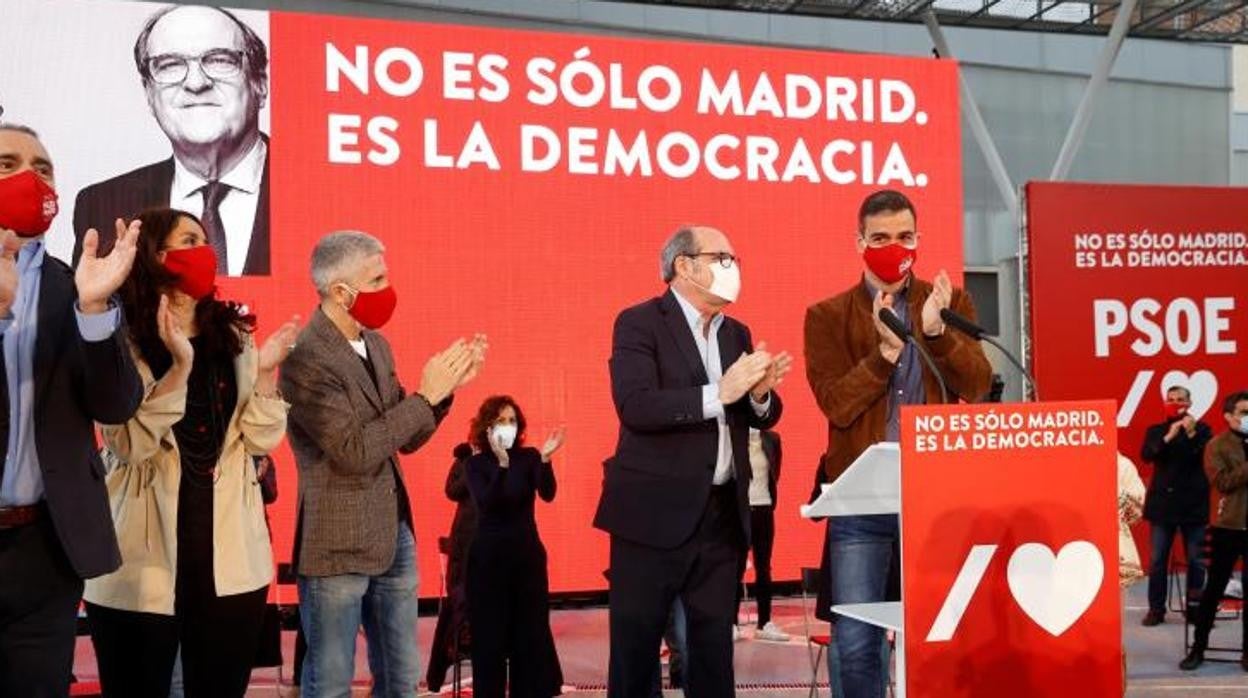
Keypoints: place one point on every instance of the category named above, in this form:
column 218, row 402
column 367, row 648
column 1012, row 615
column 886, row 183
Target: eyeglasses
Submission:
column 725, row 259
column 217, row 64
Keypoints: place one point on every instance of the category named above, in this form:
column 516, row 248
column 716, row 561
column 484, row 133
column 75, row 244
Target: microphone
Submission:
column 966, row 327
column 962, row 324
column 898, row 328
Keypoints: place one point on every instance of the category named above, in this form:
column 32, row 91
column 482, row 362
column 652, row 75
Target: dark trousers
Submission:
column 39, row 594
column 1162, row 537
column 509, row 611
column 644, row 582
column 219, row 637
column 762, row 538
column 1228, row 546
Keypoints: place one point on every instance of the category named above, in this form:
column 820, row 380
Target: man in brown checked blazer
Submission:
column 349, row 418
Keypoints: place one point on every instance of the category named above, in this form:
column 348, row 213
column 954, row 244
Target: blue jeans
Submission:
column 862, row 550
column 1159, row 562
column 332, row 610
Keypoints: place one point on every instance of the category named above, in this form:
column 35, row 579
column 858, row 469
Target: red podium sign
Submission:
column 1010, row 550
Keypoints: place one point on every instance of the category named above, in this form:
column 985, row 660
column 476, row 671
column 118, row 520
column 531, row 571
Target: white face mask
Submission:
column 725, row 283
column 504, row 435
column 1243, row 424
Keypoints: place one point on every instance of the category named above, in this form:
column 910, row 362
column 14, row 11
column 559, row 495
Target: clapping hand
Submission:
column 477, row 348
column 941, row 296
column 553, row 443
column 279, row 345
column 890, row 344
column 780, row 365
column 744, row 373
column 173, row 337
column 444, row 372
column 97, row 277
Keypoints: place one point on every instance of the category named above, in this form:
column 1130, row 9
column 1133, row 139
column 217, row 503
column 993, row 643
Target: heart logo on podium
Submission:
column 1055, row 590
column 1202, row 384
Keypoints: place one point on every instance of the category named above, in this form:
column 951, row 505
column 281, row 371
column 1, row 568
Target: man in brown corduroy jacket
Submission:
column 861, row 375
column 1226, row 463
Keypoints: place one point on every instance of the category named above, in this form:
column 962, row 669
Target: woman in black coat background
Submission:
column 508, row 587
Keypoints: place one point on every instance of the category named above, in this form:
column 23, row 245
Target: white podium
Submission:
column 871, row 485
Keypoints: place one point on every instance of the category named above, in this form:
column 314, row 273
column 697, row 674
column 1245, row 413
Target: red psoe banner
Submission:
column 1010, row 550
column 1133, row 289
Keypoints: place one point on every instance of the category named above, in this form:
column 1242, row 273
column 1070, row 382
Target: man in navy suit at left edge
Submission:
column 65, row 366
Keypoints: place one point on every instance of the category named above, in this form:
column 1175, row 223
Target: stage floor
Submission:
column 766, row 669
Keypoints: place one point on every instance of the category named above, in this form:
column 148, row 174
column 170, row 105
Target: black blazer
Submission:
column 1179, row 490
column 78, row 383
column 772, row 452
column 127, row 195
column 657, row 484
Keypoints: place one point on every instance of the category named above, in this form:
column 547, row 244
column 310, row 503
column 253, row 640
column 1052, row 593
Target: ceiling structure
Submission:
column 1220, row 21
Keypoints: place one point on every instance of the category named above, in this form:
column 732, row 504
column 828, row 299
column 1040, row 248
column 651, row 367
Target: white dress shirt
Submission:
column 712, row 407
column 238, row 208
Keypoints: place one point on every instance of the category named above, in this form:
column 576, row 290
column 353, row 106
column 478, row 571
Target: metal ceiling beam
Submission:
column 979, row 129
column 981, row 11
column 1173, row 11
column 1233, row 7
column 1083, row 113
column 1106, row 9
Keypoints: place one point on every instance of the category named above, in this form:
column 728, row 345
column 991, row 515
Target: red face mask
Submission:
column 27, row 204
column 1175, row 410
column 196, row 268
column 890, row 263
column 373, row 309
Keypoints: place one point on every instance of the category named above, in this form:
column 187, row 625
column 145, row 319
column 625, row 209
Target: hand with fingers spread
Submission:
column 890, row 344
column 97, row 277
column 743, row 374
column 10, row 243
column 553, row 443
column 940, row 298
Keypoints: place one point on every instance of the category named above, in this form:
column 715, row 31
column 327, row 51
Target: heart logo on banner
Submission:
column 1055, row 591
column 1202, row 384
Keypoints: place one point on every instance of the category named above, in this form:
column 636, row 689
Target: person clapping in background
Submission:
column 508, row 587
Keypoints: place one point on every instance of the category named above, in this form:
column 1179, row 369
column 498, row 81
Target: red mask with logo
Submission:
column 27, row 204
column 373, row 309
column 196, row 268
column 890, row 263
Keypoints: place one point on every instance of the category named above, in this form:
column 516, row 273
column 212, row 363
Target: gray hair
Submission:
column 336, row 253
column 20, row 128
column 682, row 242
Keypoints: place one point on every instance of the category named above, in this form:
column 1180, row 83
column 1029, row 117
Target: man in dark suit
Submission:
column 206, row 78
column 687, row 384
column 65, row 367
